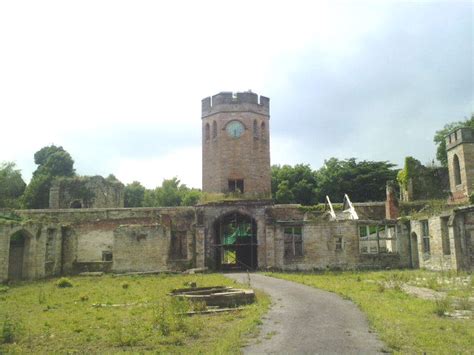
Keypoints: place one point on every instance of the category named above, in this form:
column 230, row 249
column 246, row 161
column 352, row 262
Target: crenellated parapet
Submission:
column 458, row 136
column 235, row 102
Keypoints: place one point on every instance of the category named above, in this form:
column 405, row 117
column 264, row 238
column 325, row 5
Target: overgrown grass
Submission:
column 406, row 324
column 101, row 314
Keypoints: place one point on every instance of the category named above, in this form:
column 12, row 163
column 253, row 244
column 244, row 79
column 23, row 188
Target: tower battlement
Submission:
column 458, row 136
column 241, row 101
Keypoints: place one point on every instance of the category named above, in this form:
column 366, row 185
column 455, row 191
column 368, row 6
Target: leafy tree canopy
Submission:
column 171, row 193
column 52, row 162
column 362, row 181
column 440, row 138
column 293, row 184
column 12, row 185
column 134, row 194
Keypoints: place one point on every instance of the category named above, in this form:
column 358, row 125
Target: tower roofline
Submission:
column 231, row 102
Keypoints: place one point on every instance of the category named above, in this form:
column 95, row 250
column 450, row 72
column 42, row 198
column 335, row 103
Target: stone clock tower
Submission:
column 236, row 144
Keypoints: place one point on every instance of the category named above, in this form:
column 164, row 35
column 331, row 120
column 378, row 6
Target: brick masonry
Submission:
column 247, row 157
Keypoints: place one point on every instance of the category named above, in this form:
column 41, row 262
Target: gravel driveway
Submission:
column 305, row 320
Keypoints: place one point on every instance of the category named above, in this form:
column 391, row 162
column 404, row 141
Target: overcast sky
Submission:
column 119, row 83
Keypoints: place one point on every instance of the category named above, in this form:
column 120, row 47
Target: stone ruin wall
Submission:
column 140, row 239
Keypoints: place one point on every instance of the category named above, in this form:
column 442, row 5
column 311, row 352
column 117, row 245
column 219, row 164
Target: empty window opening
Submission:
column 339, row 244
column 255, row 129
column 214, row 129
column 378, row 239
column 107, row 255
column 457, row 170
column 426, row 237
column 236, row 186
column 207, row 132
column 179, row 247
column 293, row 239
column 262, row 130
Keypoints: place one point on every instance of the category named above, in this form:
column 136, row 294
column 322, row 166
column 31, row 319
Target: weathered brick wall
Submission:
column 246, row 157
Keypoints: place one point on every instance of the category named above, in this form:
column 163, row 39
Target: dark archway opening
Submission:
column 235, row 242
column 76, row 204
column 16, row 258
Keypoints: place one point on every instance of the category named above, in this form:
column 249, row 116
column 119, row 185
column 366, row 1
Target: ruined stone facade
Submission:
column 63, row 242
column 86, row 192
column 444, row 242
column 460, row 150
column 240, row 234
column 236, row 144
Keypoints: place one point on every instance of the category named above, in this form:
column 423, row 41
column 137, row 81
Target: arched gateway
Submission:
column 235, row 242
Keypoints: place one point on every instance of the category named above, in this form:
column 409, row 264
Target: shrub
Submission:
column 64, row 282
column 125, row 285
column 471, row 198
column 9, row 331
column 4, row 289
column 442, row 306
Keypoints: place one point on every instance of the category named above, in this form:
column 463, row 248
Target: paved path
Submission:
column 305, row 320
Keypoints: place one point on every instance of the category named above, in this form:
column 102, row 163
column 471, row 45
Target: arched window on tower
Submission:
column 214, row 129
column 457, row 170
column 255, row 129
column 207, row 132
column 262, row 130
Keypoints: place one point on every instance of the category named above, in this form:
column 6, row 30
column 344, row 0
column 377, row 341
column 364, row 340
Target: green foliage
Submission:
column 52, row 162
column 12, row 185
column 64, row 282
column 9, row 331
column 362, row 181
column 134, row 194
column 440, row 138
column 429, row 182
column 293, row 184
column 171, row 193
column 471, row 198
column 37, row 192
column 442, row 306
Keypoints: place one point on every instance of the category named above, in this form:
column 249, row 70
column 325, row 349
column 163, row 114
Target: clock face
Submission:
column 235, row 129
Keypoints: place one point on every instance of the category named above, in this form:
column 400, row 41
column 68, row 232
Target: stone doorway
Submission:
column 235, row 242
column 17, row 253
column 415, row 261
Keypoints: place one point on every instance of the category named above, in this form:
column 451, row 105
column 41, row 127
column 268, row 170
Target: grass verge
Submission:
column 101, row 314
column 404, row 323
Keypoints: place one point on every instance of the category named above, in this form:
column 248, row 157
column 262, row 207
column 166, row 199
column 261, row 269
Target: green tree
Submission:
column 293, row 184
column 361, row 181
column 12, row 185
column 134, row 194
column 191, row 197
column 440, row 138
column 52, row 162
column 171, row 193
